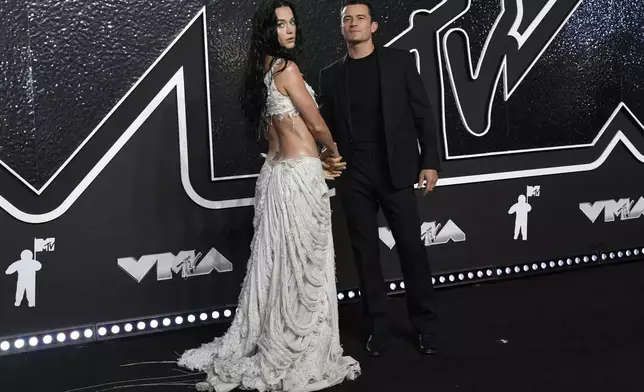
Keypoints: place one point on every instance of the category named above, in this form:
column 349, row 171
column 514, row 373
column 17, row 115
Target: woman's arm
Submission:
column 293, row 83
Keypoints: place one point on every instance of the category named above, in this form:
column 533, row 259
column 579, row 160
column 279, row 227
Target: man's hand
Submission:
column 331, row 174
column 427, row 179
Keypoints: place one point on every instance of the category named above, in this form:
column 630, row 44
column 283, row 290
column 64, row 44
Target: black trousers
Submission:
column 363, row 188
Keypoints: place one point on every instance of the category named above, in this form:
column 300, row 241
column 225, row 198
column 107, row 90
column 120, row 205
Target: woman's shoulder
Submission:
column 284, row 66
column 287, row 71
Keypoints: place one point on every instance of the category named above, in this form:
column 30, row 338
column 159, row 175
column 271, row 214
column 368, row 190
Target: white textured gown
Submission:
column 284, row 335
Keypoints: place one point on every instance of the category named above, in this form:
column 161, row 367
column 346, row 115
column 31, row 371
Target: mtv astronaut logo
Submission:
column 521, row 209
column 26, row 269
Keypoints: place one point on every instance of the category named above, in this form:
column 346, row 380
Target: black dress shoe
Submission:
column 426, row 345
column 372, row 347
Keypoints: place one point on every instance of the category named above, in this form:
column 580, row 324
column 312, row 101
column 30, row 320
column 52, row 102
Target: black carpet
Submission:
column 576, row 331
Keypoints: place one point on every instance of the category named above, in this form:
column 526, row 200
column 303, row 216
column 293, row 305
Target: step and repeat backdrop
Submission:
column 127, row 176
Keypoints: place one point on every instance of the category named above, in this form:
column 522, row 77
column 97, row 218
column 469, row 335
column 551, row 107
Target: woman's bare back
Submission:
column 288, row 135
column 290, row 138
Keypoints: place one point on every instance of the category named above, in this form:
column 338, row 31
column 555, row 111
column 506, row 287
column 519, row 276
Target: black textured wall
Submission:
column 76, row 60
column 66, row 64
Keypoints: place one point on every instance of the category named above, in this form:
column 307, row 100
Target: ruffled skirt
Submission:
column 284, row 335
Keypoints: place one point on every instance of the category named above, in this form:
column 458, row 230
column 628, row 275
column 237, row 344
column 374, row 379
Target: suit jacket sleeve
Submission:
column 325, row 100
column 423, row 116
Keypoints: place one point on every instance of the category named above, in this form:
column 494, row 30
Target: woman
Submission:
column 284, row 336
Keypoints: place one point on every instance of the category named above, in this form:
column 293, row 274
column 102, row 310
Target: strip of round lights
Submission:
column 31, row 342
column 113, row 330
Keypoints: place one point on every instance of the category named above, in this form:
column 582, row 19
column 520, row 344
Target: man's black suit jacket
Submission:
column 407, row 114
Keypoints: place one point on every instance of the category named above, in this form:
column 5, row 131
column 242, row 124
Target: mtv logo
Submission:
column 431, row 233
column 185, row 262
column 624, row 209
column 533, row 191
column 44, row 244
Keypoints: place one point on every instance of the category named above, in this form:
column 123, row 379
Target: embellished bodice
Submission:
column 278, row 104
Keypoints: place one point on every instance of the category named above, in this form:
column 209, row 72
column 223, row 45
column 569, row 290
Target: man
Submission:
column 376, row 107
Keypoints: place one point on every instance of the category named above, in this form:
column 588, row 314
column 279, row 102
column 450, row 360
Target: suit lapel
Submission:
column 343, row 96
column 383, row 70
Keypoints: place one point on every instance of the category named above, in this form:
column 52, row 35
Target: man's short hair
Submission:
column 363, row 2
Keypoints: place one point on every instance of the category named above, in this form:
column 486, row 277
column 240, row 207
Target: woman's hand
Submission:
column 332, row 164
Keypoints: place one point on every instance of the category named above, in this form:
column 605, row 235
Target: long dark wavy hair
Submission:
column 264, row 42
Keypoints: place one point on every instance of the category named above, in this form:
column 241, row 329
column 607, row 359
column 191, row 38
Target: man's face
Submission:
column 357, row 25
